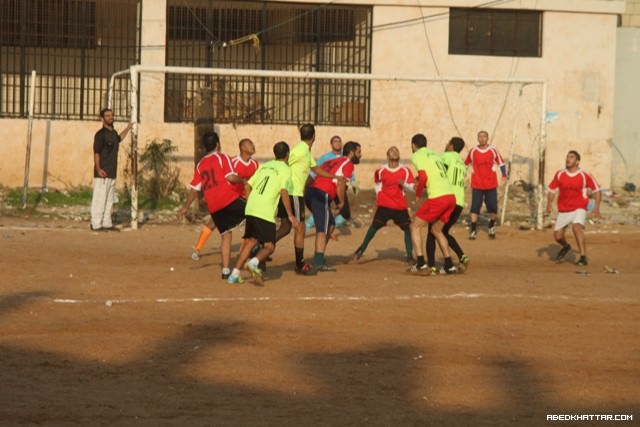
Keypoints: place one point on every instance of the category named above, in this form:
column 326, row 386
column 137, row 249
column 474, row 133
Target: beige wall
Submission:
column 631, row 17
column 578, row 63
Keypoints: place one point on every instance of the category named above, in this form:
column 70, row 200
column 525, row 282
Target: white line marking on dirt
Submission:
column 340, row 298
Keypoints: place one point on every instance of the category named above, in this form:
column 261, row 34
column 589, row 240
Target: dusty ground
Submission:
column 96, row 329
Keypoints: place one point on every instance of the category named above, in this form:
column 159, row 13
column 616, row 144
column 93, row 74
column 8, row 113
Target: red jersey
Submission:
column 483, row 162
column 389, row 186
column 340, row 166
column 572, row 189
column 243, row 170
column 210, row 177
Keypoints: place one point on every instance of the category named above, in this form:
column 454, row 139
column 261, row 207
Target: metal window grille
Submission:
column 309, row 37
column 74, row 46
column 495, row 32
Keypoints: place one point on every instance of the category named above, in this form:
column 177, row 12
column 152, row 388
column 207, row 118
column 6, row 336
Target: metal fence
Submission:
column 74, row 45
column 292, row 37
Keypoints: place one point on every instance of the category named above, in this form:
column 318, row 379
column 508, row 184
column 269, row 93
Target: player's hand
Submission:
column 341, row 179
column 504, row 179
column 181, row 213
column 547, row 211
column 294, row 220
column 102, row 173
column 596, row 213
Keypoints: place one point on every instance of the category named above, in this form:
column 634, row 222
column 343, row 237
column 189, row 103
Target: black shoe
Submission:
column 305, row 270
column 563, row 252
column 262, row 265
column 492, row 233
column 582, row 261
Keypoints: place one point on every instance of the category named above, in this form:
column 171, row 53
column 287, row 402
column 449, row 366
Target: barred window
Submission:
column 495, row 32
column 294, row 37
column 74, row 46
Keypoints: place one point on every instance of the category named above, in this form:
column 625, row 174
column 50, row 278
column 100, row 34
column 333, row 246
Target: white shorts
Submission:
column 566, row 218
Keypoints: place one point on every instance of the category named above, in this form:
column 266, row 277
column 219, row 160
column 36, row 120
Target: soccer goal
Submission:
column 512, row 110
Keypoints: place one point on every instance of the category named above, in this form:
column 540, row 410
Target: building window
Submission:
column 293, row 37
column 495, row 32
column 74, row 46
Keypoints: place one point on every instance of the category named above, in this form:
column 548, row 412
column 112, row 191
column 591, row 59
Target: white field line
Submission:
column 348, row 298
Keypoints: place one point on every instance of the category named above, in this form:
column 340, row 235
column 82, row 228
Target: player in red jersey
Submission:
column 391, row 182
column 572, row 185
column 483, row 159
column 245, row 167
column 214, row 176
column 322, row 191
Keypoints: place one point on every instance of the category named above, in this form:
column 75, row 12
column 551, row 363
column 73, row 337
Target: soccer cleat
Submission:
column 256, row 273
column 234, row 280
column 473, row 235
column 324, row 268
column 492, row 233
column 305, row 269
column 195, row 255
column 451, row 270
column 416, row 269
column 582, row 261
column 433, row 271
column 563, row 252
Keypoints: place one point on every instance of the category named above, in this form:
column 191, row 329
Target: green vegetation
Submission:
column 73, row 197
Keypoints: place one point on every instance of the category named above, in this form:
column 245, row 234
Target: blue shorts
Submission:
column 490, row 198
column 319, row 203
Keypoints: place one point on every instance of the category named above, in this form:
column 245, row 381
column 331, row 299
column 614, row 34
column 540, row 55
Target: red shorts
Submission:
column 436, row 209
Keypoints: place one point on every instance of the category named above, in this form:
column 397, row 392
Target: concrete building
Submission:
column 569, row 44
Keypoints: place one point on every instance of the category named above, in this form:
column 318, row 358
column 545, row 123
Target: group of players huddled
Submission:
column 238, row 189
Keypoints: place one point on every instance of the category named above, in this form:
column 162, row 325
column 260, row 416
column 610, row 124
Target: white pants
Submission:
column 102, row 202
column 567, row 218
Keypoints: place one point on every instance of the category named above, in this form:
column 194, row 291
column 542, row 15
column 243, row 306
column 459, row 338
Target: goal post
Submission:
column 391, row 82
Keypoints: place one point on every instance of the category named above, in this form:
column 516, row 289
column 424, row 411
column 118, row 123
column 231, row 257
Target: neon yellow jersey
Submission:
column 419, row 158
column 456, row 172
column 301, row 161
column 266, row 184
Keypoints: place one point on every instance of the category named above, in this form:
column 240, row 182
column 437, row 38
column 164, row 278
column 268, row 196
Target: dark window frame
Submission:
column 495, row 32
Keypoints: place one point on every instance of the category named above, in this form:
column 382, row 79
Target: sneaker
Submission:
column 433, row 271
column 417, row 269
column 256, row 273
column 234, row 280
column 451, row 270
column 195, row 255
column 464, row 263
column 582, row 261
column 473, row 235
column 492, row 233
column 356, row 256
column 305, row 269
column 563, row 252
column 324, row 268
column 225, row 273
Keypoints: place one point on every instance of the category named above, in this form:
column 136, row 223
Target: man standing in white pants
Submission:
column 105, row 158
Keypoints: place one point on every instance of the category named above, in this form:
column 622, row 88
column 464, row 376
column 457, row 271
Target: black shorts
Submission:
column 297, row 206
column 229, row 216
column 400, row 217
column 319, row 204
column 490, row 198
column 261, row 230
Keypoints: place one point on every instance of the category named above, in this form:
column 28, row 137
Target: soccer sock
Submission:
column 235, row 272
column 421, row 260
column 318, row 259
column 431, row 250
column 367, row 238
column 204, row 235
column 492, row 223
column 448, row 263
column 473, row 226
column 408, row 243
column 299, row 256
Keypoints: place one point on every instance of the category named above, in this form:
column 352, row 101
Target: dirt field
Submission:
column 96, row 329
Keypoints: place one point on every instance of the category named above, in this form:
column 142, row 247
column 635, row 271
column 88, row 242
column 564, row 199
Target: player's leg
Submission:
column 577, row 226
column 321, row 210
column 442, row 208
column 226, row 219
column 436, row 230
column 248, row 244
column 108, row 203
column 563, row 220
column 417, row 225
column 403, row 220
column 379, row 220
column 285, row 224
column 491, row 200
column 205, row 233
column 476, row 205
column 431, row 249
column 453, row 243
